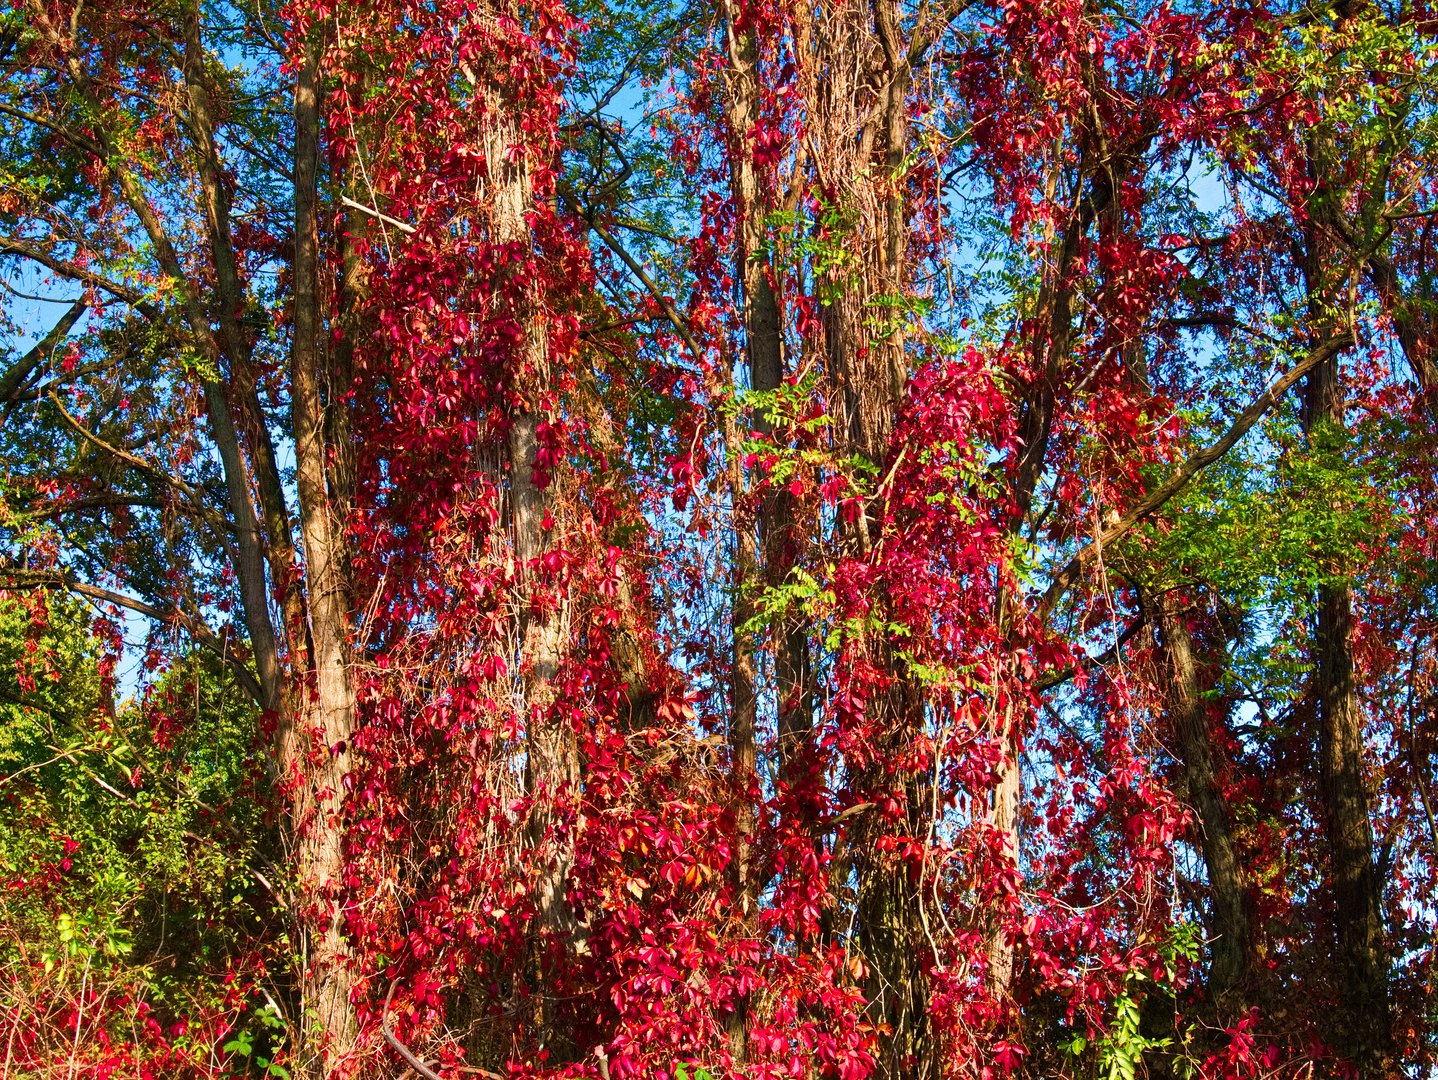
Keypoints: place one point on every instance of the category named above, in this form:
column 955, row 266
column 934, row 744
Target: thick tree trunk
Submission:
column 1343, row 790
column 1364, row 1029
column 1230, row 926
column 320, row 753
column 761, row 308
column 551, row 749
column 552, row 760
column 870, row 363
column 1357, row 892
column 764, row 353
column 896, row 986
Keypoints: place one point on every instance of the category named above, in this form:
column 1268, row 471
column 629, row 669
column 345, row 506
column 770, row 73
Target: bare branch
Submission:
column 72, row 137
column 1088, row 663
column 10, row 245
column 400, row 1048
column 670, row 312
column 402, row 226
column 143, row 466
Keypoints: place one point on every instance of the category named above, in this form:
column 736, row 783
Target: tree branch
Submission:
column 12, row 577
column 10, row 245
column 1185, row 473
column 1088, row 663
column 402, row 226
column 675, row 319
column 17, row 373
column 72, row 137
column 143, row 466
column 400, row 1048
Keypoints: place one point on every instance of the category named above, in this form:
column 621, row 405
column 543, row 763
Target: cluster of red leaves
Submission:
column 442, row 877
column 914, row 573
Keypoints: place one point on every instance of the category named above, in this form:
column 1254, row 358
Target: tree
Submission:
column 746, row 539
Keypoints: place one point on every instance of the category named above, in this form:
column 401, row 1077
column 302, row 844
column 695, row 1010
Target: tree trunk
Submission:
column 1005, row 821
column 764, row 348
column 551, row 752
column 764, row 353
column 1357, row 892
column 321, row 753
column 1230, row 925
column 870, row 364
column 1353, row 873
column 896, row 986
column 743, row 722
column 551, row 749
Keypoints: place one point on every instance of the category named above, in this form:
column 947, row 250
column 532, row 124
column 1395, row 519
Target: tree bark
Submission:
column 869, row 61
column 552, row 754
column 1230, row 925
column 1357, row 891
column 774, row 513
column 743, row 724
column 764, row 351
column 1343, row 790
column 320, row 753
column 1005, row 819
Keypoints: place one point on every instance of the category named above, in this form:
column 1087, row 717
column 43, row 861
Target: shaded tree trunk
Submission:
column 1357, row 891
column 764, row 355
column 1343, row 791
column 1230, row 926
column 743, row 723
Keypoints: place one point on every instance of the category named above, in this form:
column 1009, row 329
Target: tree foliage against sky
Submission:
column 698, row 540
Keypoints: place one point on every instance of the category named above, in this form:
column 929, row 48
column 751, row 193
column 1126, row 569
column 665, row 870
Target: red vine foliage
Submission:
column 752, row 540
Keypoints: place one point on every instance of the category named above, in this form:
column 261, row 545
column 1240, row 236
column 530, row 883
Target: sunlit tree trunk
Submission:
column 552, row 756
column 863, row 140
column 325, row 698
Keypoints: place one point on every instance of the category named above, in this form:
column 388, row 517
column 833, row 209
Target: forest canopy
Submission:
column 704, row 539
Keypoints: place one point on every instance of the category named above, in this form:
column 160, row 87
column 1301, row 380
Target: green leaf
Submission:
column 242, row 1044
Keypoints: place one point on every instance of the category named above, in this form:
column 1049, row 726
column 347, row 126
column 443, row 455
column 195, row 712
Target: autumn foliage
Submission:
column 764, row 540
